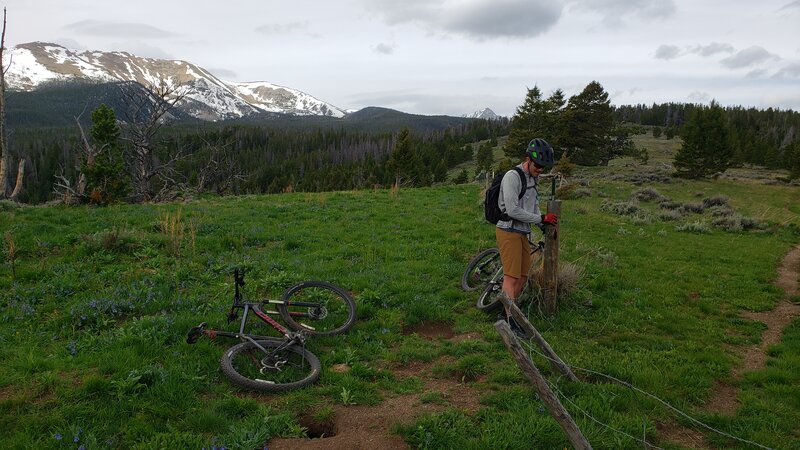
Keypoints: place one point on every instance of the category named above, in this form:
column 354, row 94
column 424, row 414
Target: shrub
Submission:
column 572, row 191
column 696, row 208
column 564, row 166
column 731, row 223
column 668, row 204
column 694, row 227
column 670, row 214
column 621, row 208
column 648, row 195
column 721, row 211
column 569, row 275
column 717, row 200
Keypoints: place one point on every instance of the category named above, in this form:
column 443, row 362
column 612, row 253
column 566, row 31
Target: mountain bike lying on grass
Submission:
column 489, row 299
column 270, row 364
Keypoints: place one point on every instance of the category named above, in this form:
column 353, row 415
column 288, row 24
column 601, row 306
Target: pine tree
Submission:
column 404, row 163
column 792, row 157
column 105, row 175
column 590, row 124
column 462, row 177
column 485, row 158
column 706, row 145
column 528, row 122
column 656, row 132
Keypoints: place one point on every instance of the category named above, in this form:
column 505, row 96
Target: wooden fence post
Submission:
column 550, row 400
column 550, row 288
column 533, row 333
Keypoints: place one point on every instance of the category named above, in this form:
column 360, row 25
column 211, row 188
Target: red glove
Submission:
column 550, row 219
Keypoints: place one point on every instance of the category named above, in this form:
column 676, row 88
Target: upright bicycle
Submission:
column 270, row 364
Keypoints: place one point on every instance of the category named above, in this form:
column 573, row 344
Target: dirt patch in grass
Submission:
column 473, row 336
column 431, row 330
column 724, row 395
column 685, row 437
column 370, row 427
column 7, row 393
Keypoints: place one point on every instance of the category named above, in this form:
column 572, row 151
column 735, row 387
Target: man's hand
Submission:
column 550, row 219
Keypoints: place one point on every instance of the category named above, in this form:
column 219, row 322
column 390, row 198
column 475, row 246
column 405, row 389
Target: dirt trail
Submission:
column 724, row 397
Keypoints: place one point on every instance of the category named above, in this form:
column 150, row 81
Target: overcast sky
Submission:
column 452, row 56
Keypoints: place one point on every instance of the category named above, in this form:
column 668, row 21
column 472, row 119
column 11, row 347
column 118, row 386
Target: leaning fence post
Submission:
column 550, row 400
column 533, row 333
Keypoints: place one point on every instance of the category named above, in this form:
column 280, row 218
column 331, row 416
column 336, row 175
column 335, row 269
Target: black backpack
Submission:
column 491, row 208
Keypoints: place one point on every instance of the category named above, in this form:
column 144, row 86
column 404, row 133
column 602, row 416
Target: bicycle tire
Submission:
column 489, row 300
column 336, row 314
column 245, row 365
column 480, row 269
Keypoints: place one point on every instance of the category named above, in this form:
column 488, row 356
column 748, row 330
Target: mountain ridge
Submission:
column 31, row 65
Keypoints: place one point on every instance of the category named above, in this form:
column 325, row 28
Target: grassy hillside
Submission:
column 95, row 304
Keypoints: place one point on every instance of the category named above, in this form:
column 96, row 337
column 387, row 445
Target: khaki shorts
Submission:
column 515, row 253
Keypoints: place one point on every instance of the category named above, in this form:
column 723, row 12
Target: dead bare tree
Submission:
column 147, row 110
column 5, row 156
column 222, row 170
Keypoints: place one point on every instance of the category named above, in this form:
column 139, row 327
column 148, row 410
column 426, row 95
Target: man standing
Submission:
column 512, row 234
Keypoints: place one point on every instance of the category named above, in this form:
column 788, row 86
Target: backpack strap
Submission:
column 522, row 181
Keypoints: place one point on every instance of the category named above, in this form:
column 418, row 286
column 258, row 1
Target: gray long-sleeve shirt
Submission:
column 524, row 211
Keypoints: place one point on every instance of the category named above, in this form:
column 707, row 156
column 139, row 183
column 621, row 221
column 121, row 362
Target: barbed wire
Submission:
column 635, row 389
column 598, row 421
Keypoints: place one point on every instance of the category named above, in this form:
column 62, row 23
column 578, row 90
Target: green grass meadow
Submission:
column 95, row 304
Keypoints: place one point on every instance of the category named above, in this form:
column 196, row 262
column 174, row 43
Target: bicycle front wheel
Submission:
column 489, row 299
column 279, row 367
column 480, row 269
column 318, row 308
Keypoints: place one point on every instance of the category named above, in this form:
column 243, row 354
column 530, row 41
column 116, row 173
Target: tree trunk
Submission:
column 20, row 177
column 4, row 157
column 3, row 175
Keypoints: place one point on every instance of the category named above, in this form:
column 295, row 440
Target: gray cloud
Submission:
column 503, row 18
column 476, row 19
column 224, row 74
column 713, row 48
column 615, row 12
column 748, row 57
column 139, row 48
column 283, row 28
column 794, row 4
column 667, row 52
column 756, row 73
column 791, row 71
column 384, row 49
column 118, row 29
column 699, row 97
column 394, row 12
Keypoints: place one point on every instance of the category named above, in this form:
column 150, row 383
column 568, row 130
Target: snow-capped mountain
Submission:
column 207, row 97
column 485, row 113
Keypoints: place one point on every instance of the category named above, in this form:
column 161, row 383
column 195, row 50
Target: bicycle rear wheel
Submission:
column 480, row 269
column 317, row 308
column 489, row 299
column 281, row 368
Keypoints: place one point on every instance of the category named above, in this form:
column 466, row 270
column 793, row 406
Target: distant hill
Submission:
column 56, row 104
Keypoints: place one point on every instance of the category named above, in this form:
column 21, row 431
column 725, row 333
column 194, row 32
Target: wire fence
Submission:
column 532, row 349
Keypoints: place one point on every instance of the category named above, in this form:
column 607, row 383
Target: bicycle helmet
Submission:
column 540, row 152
